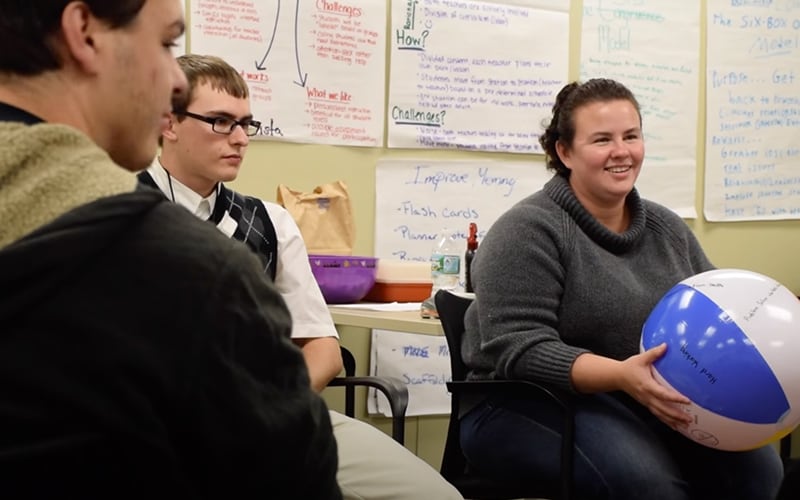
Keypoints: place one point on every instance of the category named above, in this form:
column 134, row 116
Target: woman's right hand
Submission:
column 637, row 380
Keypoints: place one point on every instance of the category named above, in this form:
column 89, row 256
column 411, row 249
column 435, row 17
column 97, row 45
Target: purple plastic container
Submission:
column 343, row 279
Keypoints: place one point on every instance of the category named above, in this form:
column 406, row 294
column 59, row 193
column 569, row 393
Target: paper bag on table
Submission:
column 324, row 216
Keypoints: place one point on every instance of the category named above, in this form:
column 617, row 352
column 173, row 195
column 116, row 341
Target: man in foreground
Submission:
column 134, row 363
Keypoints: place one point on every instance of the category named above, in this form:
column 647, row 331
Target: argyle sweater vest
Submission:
column 253, row 225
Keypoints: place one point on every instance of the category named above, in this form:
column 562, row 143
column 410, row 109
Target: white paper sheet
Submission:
column 421, row 361
column 415, row 200
column 316, row 70
column 382, row 306
column 475, row 75
column 653, row 47
column 753, row 111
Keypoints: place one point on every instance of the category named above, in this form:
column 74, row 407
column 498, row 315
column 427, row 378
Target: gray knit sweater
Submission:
column 551, row 283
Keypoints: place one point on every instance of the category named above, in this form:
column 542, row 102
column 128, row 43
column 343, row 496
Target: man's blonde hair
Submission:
column 212, row 71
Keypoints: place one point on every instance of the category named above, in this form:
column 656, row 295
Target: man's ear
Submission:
column 80, row 29
column 169, row 134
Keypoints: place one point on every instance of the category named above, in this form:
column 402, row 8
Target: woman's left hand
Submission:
column 638, row 381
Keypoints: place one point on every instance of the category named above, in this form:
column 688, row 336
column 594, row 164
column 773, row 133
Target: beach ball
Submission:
column 733, row 349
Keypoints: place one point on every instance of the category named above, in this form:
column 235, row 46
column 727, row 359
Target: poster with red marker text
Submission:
column 315, row 68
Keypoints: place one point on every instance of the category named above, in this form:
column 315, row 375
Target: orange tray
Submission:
column 398, row 292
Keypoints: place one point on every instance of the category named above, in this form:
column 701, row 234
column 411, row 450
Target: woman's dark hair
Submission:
column 27, row 28
column 562, row 126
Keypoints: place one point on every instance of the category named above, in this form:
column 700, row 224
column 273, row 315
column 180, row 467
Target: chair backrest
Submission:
column 348, row 362
column 451, row 309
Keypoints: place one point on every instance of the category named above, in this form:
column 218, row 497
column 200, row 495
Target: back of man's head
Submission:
column 212, row 71
column 29, row 26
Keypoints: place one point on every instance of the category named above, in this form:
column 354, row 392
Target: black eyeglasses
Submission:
column 225, row 125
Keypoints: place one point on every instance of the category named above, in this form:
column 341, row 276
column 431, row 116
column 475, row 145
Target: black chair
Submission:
column 455, row 469
column 786, row 447
column 393, row 388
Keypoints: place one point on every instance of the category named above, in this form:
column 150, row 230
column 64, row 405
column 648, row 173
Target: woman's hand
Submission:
column 637, row 380
column 591, row 373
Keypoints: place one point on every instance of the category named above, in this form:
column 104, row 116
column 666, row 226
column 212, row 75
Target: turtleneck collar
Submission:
column 559, row 190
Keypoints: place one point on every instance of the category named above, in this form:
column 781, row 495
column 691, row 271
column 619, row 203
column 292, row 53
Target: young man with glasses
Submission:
column 202, row 148
column 134, row 363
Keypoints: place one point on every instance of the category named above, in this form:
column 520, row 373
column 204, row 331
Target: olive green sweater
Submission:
column 47, row 170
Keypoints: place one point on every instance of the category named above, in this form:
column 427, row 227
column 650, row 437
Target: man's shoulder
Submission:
column 184, row 231
column 156, row 230
column 277, row 213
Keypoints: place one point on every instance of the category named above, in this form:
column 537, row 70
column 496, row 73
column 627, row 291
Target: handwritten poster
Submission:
column 415, row 200
column 307, row 64
column 474, row 75
column 421, row 361
column 653, row 47
column 753, row 110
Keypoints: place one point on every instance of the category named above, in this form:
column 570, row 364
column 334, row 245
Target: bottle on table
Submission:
column 445, row 269
column 472, row 247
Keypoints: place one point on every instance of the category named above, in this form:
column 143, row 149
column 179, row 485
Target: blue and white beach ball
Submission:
column 733, row 349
